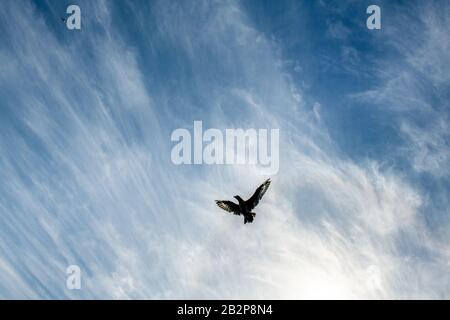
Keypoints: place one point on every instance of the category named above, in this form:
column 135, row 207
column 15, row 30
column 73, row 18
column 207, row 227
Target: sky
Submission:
column 360, row 205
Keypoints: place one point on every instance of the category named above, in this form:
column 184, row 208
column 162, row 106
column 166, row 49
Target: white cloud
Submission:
column 413, row 86
column 97, row 188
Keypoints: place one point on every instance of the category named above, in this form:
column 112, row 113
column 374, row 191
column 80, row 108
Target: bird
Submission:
column 63, row 19
column 245, row 207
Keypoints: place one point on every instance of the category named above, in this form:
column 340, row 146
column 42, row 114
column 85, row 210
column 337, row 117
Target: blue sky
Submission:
column 358, row 209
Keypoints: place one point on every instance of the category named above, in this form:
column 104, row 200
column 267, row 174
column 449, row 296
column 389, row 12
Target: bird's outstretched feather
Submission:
column 229, row 206
column 253, row 201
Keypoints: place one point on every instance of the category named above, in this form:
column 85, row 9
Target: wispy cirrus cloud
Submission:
column 413, row 84
column 87, row 178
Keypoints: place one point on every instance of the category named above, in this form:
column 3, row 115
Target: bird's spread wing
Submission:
column 254, row 199
column 229, row 206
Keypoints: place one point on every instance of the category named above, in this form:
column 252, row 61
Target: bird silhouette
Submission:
column 245, row 207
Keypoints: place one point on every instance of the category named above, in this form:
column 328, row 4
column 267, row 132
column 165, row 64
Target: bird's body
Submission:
column 245, row 210
column 245, row 207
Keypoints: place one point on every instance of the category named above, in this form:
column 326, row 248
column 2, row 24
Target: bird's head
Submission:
column 238, row 198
